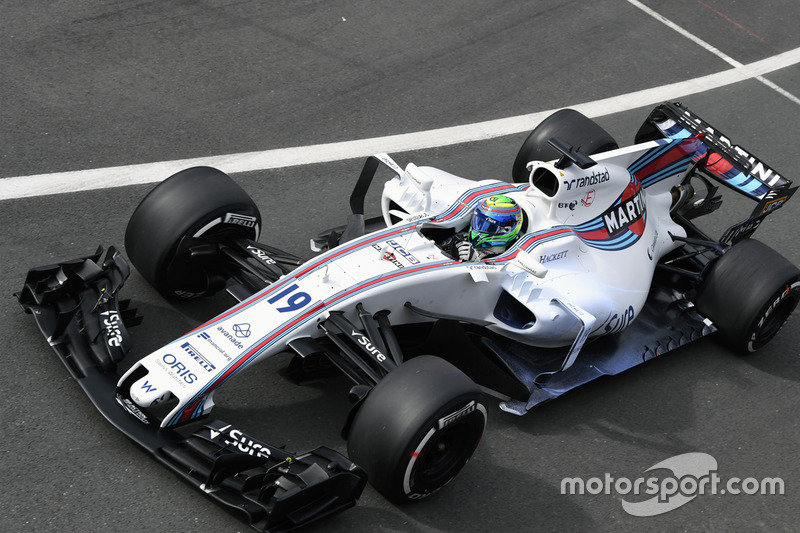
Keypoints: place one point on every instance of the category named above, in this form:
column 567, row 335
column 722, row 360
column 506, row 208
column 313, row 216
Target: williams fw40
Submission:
column 610, row 269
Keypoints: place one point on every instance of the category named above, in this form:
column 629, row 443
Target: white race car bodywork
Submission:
column 608, row 271
column 583, row 268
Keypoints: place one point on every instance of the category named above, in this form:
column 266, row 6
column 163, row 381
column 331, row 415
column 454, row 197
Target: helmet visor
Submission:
column 484, row 225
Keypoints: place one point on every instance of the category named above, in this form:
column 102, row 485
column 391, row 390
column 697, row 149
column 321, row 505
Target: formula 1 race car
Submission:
column 608, row 271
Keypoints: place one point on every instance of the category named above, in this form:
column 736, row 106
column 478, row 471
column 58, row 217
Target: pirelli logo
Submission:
column 240, row 220
column 197, row 356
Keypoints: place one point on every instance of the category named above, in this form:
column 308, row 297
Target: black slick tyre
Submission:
column 572, row 126
column 749, row 292
column 199, row 205
column 417, row 428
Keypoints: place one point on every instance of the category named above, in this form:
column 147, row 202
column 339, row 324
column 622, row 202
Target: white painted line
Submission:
column 689, row 35
column 661, row 18
column 102, row 178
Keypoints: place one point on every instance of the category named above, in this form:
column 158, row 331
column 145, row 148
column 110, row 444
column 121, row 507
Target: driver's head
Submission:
column 495, row 224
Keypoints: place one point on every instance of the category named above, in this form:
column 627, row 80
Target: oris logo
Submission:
column 179, row 368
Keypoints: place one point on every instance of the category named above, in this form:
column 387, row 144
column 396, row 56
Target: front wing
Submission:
column 75, row 306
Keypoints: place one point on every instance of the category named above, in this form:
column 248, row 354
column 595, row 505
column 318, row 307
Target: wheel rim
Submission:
column 444, row 454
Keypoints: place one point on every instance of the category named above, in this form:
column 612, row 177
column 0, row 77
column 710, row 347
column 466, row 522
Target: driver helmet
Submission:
column 495, row 224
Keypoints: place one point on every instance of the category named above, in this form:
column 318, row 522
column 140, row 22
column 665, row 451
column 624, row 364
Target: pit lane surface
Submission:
column 90, row 85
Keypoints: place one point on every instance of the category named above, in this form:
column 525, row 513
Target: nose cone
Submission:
column 146, row 394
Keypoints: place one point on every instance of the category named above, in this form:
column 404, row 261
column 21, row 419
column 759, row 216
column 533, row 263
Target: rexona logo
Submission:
column 403, row 252
column 627, row 213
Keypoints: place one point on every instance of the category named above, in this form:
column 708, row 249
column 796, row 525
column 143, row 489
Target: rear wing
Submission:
column 736, row 168
column 725, row 162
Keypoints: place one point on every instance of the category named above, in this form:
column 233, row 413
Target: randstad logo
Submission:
column 691, row 475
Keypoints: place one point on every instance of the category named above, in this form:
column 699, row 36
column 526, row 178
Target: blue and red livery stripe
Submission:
column 191, row 410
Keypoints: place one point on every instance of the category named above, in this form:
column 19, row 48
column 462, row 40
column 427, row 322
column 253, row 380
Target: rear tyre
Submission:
column 749, row 293
column 417, row 428
column 577, row 129
column 199, row 205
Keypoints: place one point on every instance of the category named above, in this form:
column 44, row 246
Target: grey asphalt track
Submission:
column 89, row 84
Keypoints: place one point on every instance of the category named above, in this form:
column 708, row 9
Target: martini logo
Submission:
column 628, row 213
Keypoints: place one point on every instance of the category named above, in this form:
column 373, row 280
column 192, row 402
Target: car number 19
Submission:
column 294, row 302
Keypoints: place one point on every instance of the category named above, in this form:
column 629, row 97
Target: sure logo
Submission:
column 246, row 445
column 261, row 255
column 239, row 441
column 364, row 341
column 112, row 324
column 619, row 321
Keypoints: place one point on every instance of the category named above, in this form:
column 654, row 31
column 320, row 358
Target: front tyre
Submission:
column 173, row 235
column 749, row 292
column 417, row 428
